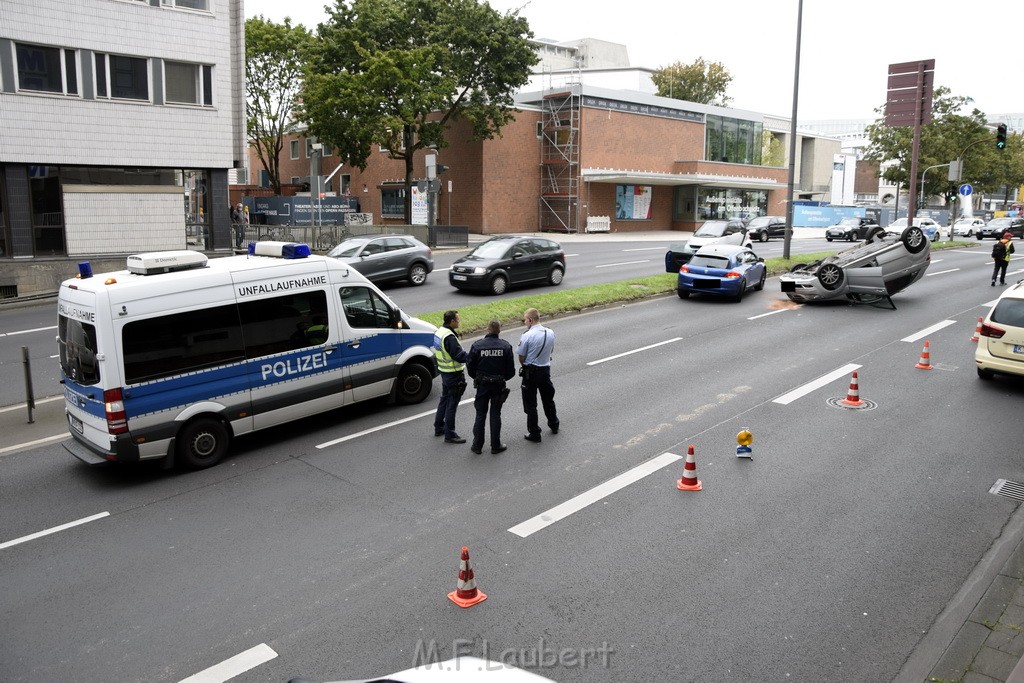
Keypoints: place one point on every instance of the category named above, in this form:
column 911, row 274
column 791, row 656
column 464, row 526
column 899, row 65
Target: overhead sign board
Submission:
column 908, row 100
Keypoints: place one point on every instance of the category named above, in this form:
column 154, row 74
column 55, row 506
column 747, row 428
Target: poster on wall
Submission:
column 419, row 206
column 633, row 202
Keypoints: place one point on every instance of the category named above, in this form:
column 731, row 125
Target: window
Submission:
column 279, row 324
column 122, row 78
column 77, row 345
column 187, row 4
column 294, row 149
column 392, row 201
column 396, row 244
column 264, row 178
column 47, row 69
column 364, row 308
column 188, row 83
column 733, row 140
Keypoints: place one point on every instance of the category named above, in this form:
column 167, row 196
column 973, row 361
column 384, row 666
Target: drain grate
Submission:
column 1010, row 489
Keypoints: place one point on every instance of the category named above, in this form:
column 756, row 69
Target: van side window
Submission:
column 282, row 323
column 364, row 308
column 182, row 342
column 77, row 342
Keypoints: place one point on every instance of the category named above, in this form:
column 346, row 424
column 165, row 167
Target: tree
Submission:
column 950, row 134
column 701, row 81
column 396, row 73
column 274, row 63
column 772, row 153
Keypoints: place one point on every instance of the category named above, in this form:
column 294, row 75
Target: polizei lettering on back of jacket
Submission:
column 283, row 285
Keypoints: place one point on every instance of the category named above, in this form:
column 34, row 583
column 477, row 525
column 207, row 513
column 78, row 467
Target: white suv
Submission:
column 1001, row 340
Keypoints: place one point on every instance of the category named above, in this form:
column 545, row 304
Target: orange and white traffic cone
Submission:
column 977, row 330
column 853, row 395
column 925, row 363
column 466, row 594
column 689, row 480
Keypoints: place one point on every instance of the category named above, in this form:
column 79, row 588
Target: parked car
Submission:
column 764, row 227
column 967, row 227
column 507, row 261
column 723, row 270
column 1001, row 338
column 710, row 232
column 881, row 267
column 928, row 226
column 386, row 258
column 997, row 226
column 851, row 229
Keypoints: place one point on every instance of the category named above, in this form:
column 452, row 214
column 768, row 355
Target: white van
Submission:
column 178, row 354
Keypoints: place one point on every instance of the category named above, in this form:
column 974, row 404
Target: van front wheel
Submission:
column 202, row 443
column 414, row 384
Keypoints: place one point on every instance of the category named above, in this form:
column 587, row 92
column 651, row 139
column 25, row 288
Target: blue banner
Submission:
column 823, row 216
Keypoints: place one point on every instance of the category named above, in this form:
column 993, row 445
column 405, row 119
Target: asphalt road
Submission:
column 827, row 556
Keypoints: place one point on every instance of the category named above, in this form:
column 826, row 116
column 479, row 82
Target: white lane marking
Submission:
column 1015, row 272
column 371, row 430
column 237, row 665
column 936, row 260
column 53, row 530
column 595, row 494
column 928, row 330
column 37, row 329
column 992, row 303
column 28, row 444
column 629, row 353
column 764, row 315
column 624, row 263
column 646, row 249
column 441, row 270
column 801, row 391
column 940, row 272
column 38, row 401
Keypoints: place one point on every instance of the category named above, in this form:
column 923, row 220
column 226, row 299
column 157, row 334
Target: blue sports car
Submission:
column 722, row 269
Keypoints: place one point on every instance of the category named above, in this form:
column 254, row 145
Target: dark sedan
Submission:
column 997, row 226
column 507, row 261
column 764, row 227
column 386, row 258
column 851, row 229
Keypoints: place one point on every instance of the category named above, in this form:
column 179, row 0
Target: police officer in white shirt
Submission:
column 535, row 347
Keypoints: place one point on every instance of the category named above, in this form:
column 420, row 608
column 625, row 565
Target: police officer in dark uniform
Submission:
column 491, row 364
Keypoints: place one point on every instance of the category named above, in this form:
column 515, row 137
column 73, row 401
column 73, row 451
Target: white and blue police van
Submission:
column 177, row 355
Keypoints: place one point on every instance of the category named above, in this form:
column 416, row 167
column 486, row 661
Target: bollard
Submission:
column 30, row 400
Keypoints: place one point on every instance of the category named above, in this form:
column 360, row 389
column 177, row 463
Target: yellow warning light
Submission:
column 744, row 438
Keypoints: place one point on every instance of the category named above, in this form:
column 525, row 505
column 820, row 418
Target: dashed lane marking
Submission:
column 802, row 391
column 928, row 330
column 624, row 263
column 378, row 428
column 563, row 510
column 53, row 530
column 237, row 665
column 629, row 353
column 941, row 272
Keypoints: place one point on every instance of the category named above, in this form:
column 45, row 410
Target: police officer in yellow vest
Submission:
column 451, row 359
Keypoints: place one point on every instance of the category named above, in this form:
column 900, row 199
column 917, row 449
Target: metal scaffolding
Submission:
column 559, row 133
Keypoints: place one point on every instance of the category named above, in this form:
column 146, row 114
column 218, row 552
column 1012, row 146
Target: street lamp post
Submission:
column 787, row 239
column 922, row 199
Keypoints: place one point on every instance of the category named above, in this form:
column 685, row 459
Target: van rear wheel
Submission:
column 202, row 443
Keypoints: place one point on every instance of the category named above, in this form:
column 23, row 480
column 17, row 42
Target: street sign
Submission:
column 966, row 190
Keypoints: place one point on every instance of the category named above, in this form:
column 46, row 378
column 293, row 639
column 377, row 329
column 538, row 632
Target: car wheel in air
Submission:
column 985, row 374
column 830, row 276
column 914, row 239
column 499, row 284
column 414, row 384
column 683, row 293
column 202, row 443
column 742, row 290
column 760, row 284
column 417, row 274
column 875, row 234
column 555, row 276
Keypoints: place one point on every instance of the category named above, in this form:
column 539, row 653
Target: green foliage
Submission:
column 950, row 134
column 396, row 73
column 701, row 81
column 772, row 153
column 274, row 62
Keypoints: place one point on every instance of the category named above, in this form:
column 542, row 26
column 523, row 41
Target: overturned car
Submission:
column 875, row 270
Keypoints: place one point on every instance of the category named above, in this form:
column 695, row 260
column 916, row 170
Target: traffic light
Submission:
column 1001, row 136
column 441, row 168
column 951, row 193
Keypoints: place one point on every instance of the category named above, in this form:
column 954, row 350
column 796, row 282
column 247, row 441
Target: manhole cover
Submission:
column 1010, row 489
column 838, row 403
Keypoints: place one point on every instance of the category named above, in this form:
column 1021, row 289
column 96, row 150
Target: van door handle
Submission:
column 355, row 345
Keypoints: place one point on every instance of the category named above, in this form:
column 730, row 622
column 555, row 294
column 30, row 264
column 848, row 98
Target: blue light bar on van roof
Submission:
column 288, row 250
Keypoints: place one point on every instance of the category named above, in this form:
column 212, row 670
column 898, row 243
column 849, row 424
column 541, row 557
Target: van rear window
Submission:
column 77, row 343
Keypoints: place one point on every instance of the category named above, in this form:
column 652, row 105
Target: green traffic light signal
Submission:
column 1001, row 136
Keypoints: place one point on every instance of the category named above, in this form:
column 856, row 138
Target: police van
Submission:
column 178, row 354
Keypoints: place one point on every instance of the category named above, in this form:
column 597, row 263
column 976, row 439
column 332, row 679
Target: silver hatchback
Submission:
column 386, row 258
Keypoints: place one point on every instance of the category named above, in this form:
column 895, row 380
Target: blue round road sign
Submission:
column 966, row 190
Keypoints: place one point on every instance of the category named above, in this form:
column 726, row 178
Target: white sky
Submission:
column 846, row 46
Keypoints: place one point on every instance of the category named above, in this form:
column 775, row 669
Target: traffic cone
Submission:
column 689, row 481
column 925, row 363
column 853, row 395
column 466, row 594
column 977, row 331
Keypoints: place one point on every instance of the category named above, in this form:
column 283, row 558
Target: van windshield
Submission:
column 77, row 343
